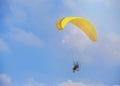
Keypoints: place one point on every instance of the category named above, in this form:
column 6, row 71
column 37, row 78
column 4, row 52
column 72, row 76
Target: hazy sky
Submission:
column 34, row 53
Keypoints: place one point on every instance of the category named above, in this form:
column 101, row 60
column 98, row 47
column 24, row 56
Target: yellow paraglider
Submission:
column 81, row 23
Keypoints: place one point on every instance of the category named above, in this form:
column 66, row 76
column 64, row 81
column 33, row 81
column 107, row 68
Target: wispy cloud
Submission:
column 71, row 83
column 74, row 4
column 75, row 38
column 86, row 59
column 24, row 37
column 23, row 10
column 32, row 82
column 116, row 85
column 29, row 13
column 107, row 45
column 5, row 80
column 3, row 46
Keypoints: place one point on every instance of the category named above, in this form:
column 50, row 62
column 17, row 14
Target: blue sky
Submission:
column 34, row 53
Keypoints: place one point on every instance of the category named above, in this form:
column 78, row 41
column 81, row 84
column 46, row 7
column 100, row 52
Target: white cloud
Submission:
column 116, row 85
column 29, row 3
column 74, row 4
column 25, row 8
column 3, row 46
column 71, row 4
column 20, row 12
column 17, row 14
column 32, row 82
column 75, row 38
column 5, row 80
column 25, row 37
column 28, row 13
column 107, row 48
column 86, row 59
column 71, row 83
column 100, row 1
column 108, row 45
column 34, row 12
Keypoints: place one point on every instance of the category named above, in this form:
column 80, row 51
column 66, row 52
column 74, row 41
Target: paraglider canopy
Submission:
column 81, row 23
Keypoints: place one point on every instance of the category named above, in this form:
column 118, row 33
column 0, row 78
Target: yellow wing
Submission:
column 81, row 23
